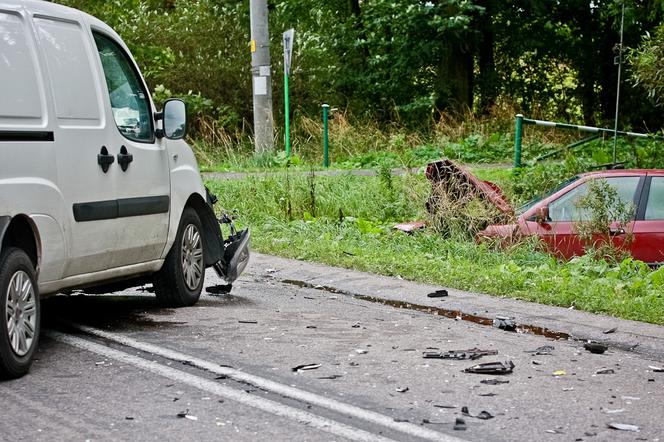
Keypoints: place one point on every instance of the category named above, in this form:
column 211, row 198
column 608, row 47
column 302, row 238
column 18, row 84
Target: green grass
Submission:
column 347, row 221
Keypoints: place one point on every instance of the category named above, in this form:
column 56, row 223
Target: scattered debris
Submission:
column 491, row 368
column 270, row 270
column 620, row 410
column 303, row 367
column 472, row 354
column 185, row 414
column 356, row 325
column 568, row 389
column 332, row 376
column 409, row 227
column 437, row 294
column 247, row 322
column 535, row 362
column 484, row 415
column 449, row 407
column 595, row 347
column 656, row 369
column 220, row 289
column 460, row 424
column 402, row 389
column 494, row 381
column 504, row 323
column 559, row 373
column 623, row 427
column 605, row 371
column 361, row 351
column 611, row 330
column 311, row 326
column 129, row 418
column 541, row 351
column 488, row 394
column 400, row 419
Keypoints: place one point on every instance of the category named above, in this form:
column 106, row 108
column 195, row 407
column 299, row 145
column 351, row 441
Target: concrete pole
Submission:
column 261, row 77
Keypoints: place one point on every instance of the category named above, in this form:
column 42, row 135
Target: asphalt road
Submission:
column 118, row 367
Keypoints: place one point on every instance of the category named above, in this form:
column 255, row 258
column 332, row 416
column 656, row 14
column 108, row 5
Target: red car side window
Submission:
column 655, row 206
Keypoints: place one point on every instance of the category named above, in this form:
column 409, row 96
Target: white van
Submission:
column 96, row 186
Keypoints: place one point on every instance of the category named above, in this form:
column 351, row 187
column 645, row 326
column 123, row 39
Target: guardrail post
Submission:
column 326, row 140
column 518, row 133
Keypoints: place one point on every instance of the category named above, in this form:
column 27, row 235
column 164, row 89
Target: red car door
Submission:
column 559, row 232
column 648, row 245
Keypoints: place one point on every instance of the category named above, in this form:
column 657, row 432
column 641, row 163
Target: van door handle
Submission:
column 124, row 158
column 104, row 159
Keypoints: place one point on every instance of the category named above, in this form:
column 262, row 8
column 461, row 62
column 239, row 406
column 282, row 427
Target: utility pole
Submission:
column 619, row 63
column 261, row 77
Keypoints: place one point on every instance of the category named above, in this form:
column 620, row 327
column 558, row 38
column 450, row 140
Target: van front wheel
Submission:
column 19, row 311
column 180, row 280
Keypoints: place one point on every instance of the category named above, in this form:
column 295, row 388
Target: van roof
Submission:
column 47, row 8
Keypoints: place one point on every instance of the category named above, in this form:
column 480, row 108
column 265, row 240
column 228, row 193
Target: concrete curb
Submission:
column 641, row 338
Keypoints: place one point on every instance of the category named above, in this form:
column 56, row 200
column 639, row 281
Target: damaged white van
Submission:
column 96, row 185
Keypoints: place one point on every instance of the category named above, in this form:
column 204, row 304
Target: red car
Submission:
column 552, row 217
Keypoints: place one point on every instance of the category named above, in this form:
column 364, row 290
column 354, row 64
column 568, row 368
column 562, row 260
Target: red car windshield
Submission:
column 524, row 208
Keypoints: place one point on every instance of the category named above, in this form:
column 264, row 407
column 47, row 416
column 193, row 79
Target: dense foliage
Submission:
column 402, row 60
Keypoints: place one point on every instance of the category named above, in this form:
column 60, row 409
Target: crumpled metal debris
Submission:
column 611, row 330
column 409, row 227
column 491, row 368
column 656, row 369
column 595, row 347
column 605, row 371
column 472, row 354
column 504, row 323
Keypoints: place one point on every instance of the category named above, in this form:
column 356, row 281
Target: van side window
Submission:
column 129, row 100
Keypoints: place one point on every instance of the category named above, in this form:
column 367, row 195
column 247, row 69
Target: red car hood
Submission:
column 446, row 172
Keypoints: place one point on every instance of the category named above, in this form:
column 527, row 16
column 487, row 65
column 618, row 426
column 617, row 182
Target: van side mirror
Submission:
column 174, row 119
column 542, row 215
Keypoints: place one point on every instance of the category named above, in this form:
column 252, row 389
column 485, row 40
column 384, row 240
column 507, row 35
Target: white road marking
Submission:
column 209, row 386
column 275, row 387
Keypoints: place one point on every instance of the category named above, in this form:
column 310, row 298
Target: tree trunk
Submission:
column 454, row 88
column 487, row 81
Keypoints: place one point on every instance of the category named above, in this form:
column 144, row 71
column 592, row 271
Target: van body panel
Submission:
column 56, row 115
column 185, row 181
column 23, row 103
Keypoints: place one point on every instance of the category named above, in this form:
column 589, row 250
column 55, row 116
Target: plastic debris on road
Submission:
column 623, row 427
column 303, row 367
column 595, row 347
column 472, row 354
column 491, row 368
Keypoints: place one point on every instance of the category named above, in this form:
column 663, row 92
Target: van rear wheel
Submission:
column 20, row 313
column 180, row 280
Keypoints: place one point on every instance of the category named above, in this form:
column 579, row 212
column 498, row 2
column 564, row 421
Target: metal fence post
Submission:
column 518, row 133
column 326, row 140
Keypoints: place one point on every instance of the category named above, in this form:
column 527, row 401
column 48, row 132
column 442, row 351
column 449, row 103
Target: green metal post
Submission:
column 518, row 133
column 287, row 117
column 326, row 140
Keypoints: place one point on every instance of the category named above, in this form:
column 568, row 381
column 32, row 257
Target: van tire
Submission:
column 16, row 267
column 180, row 280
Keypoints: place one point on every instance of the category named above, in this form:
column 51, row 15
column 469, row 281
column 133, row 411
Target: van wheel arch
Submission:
column 211, row 231
column 21, row 232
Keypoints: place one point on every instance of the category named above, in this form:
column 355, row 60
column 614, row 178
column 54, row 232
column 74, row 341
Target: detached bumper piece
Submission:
column 235, row 255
